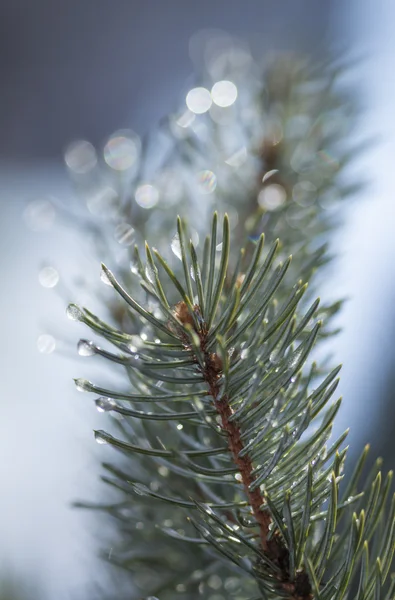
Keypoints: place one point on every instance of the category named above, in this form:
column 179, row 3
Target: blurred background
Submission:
column 80, row 70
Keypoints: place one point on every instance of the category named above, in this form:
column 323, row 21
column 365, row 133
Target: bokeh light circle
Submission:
column 80, row 157
column 122, row 150
column 147, row 196
column 224, row 93
column 199, row 100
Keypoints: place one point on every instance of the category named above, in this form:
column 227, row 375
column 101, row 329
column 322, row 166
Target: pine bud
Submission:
column 182, row 313
column 216, row 362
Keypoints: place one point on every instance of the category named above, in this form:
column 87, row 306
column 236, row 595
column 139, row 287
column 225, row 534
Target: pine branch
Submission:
column 232, row 372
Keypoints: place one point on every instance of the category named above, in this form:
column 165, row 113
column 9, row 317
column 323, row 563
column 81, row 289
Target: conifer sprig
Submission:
column 227, row 370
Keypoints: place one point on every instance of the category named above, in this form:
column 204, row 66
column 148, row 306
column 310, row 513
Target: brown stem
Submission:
column 299, row 588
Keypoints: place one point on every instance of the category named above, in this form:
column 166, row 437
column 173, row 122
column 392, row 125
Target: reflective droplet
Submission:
column 103, row 202
column 272, row 196
column 180, row 426
column 149, row 273
column 104, row 275
column 199, row 100
column 147, row 196
column 105, row 404
column 80, row 157
column 83, row 385
column 39, row 215
column 176, row 246
column 122, row 150
column 163, row 471
column 274, row 357
column 207, row 182
column 140, row 489
column 238, row 158
column 167, row 523
column 100, row 437
column 74, row 312
column 134, row 267
column 46, row 343
column 186, row 119
column 85, row 348
column 224, row 93
column 215, row 582
column 48, row 277
column 231, row 584
column 124, row 234
column 269, row 174
column 304, row 193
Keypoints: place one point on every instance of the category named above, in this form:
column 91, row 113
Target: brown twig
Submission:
column 299, row 588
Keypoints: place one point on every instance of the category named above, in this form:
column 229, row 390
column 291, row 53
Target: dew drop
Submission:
column 272, row 196
column 274, row 357
column 39, row 215
column 134, row 267
column 304, row 193
column 207, row 181
column 74, row 312
column 186, row 119
column 46, row 343
column 80, row 157
column 122, row 150
column 48, row 277
column 167, row 523
column 86, row 348
column 163, row 471
column 269, row 174
column 224, row 93
column 149, row 274
column 215, row 582
column 147, row 196
column 199, row 404
column 101, row 437
column 103, row 202
column 238, row 158
column 180, row 426
column 104, row 275
column 124, row 234
column 105, row 404
column 176, row 246
column 83, row 385
column 140, row 489
column 199, row 100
